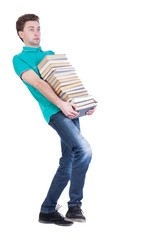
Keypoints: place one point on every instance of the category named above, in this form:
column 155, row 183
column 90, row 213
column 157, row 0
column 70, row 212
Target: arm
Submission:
column 42, row 86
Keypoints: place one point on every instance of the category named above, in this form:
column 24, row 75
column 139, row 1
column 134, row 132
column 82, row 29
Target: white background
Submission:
column 115, row 48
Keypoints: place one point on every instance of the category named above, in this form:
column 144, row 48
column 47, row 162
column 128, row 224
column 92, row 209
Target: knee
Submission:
column 87, row 153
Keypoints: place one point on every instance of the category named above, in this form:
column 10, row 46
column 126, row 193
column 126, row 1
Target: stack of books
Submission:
column 61, row 76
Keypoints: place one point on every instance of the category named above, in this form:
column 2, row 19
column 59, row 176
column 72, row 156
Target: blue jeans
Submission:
column 73, row 165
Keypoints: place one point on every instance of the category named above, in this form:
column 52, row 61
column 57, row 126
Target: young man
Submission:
column 61, row 116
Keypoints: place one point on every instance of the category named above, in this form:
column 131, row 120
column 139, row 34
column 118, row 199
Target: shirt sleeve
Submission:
column 20, row 66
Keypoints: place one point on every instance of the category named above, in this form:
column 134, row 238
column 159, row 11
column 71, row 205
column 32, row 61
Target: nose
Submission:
column 37, row 33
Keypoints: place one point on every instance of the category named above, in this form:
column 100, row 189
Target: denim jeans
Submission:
column 73, row 164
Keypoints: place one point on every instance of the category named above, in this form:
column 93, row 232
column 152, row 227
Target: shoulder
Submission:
column 17, row 56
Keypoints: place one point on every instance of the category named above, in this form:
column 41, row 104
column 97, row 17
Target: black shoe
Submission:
column 55, row 218
column 75, row 214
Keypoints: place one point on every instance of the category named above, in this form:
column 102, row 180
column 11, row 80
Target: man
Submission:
column 61, row 116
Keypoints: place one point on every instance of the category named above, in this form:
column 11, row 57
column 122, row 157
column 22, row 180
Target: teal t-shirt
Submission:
column 29, row 59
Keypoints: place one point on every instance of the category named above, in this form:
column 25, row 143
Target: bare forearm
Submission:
column 66, row 107
column 43, row 87
column 49, row 93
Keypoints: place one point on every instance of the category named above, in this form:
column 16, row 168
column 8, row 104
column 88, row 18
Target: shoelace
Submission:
column 77, row 210
column 80, row 211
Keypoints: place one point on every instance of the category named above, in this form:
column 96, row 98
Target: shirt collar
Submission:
column 31, row 49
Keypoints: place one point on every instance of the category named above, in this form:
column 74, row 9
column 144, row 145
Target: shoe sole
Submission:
column 65, row 225
column 76, row 220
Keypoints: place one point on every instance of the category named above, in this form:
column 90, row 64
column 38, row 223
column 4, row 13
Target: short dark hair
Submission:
column 23, row 19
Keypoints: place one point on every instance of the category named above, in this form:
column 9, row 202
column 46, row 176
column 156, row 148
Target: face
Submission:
column 31, row 34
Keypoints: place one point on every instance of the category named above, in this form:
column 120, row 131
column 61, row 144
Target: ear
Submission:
column 20, row 33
